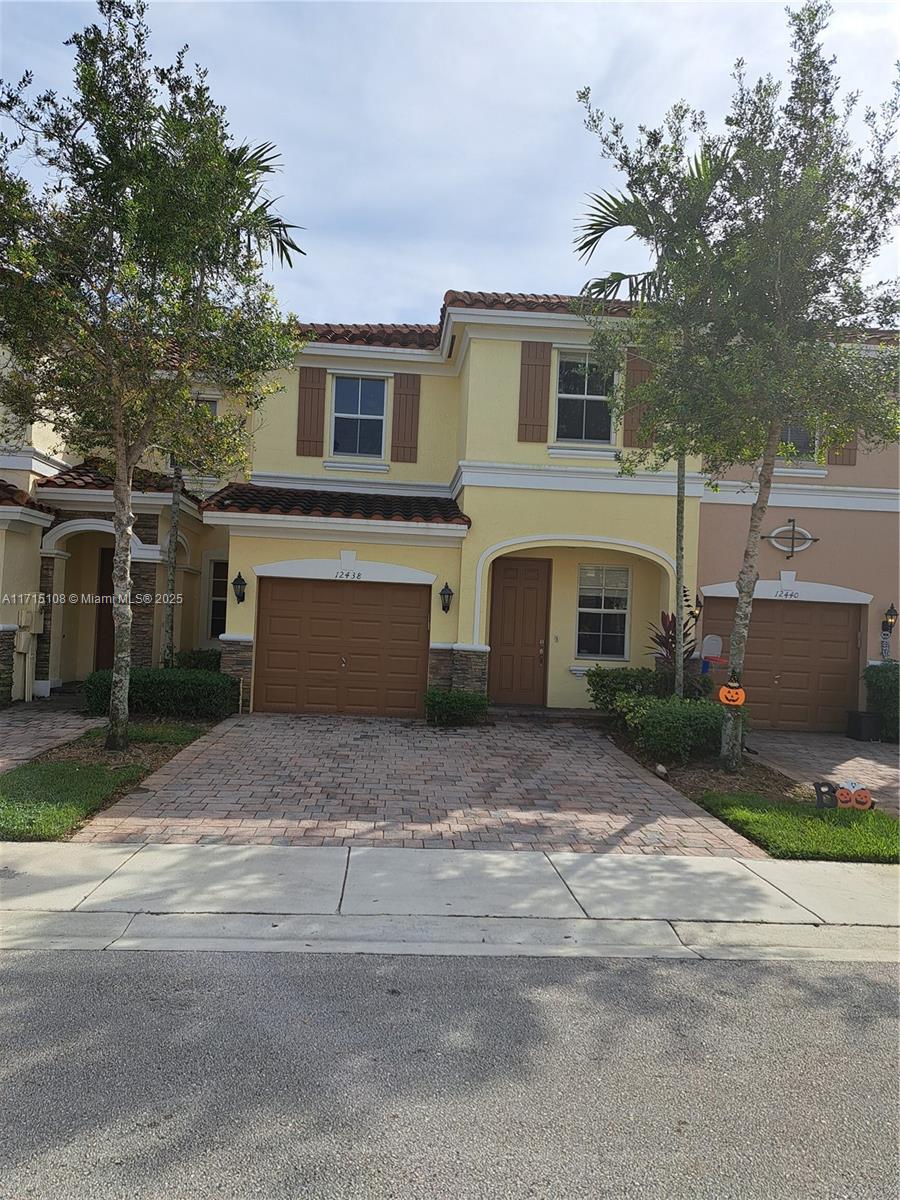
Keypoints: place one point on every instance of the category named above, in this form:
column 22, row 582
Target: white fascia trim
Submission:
column 480, row 647
column 237, row 639
column 98, row 498
column 789, row 588
column 9, row 629
column 27, row 459
column 569, row 479
column 369, row 570
column 339, row 464
column 54, row 553
column 10, row 516
column 798, row 495
column 373, row 487
column 330, row 526
column 405, row 354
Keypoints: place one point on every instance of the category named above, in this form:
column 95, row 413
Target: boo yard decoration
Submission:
column 732, row 694
column 844, row 795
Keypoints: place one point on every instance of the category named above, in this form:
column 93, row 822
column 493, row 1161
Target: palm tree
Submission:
column 669, row 228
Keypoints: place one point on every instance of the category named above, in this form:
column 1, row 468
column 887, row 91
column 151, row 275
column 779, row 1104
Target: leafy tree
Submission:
column 132, row 271
column 781, row 335
column 667, row 207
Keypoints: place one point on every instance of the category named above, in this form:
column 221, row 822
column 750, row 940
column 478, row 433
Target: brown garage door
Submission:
column 327, row 647
column 802, row 666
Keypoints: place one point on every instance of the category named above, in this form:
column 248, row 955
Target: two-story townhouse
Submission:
column 441, row 504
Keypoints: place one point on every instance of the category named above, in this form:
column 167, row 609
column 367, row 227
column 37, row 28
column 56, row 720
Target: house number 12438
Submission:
column 348, row 574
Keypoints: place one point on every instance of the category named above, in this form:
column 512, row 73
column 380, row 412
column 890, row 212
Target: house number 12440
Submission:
column 348, row 574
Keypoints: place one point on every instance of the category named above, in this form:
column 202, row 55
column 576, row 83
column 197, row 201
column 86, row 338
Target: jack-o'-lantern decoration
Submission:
column 844, row 797
column 862, row 799
column 732, row 694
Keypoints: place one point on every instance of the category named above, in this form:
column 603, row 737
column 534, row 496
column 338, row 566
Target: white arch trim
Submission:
column 347, row 567
column 561, row 540
column 59, row 533
column 789, row 588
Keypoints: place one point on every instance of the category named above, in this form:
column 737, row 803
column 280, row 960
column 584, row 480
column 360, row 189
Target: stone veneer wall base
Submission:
column 7, row 653
column 237, row 660
column 463, row 669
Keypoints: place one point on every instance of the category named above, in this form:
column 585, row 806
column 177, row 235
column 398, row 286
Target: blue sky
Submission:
column 435, row 146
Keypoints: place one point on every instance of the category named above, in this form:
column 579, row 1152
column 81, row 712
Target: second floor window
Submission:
column 358, row 416
column 803, row 440
column 582, row 413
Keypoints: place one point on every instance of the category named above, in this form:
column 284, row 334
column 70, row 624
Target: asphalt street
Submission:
column 138, row 1075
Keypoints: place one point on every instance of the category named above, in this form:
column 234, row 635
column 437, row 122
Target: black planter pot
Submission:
column 863, row 726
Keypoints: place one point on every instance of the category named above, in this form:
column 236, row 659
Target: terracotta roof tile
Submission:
column 252, row 498
column 96, row 474
column 427, row 337
column 13, row 497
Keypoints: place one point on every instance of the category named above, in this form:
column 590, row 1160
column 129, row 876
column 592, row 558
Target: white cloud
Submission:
column 429, row 146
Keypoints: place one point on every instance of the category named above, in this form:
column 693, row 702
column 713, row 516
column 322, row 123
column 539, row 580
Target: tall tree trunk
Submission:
column 679, row 577
column 732, row 726
column 123, row 523
column 171, row 556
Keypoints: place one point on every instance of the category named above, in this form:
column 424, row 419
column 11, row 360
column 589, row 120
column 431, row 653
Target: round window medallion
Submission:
column 791, row 539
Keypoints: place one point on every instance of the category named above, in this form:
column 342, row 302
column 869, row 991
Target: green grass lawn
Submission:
column 41, row 801
column 165, row 732
column 803, row 831
column 44, row 800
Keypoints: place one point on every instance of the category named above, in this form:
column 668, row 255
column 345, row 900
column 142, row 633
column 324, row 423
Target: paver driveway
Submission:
column 27, row 730
column 807, row 757
column 312, row 781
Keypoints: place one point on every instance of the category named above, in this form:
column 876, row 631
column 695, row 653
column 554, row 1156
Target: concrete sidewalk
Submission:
column 255, row 898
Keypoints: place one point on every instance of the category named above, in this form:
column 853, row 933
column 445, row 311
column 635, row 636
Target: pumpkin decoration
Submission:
column 844, row 797
column 732, row 694
column 861, row 799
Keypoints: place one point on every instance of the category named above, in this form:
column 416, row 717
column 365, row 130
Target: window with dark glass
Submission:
column 218, row 597
column 358, row 416
column 802, row 439
column 583, row 392
column 602, row 611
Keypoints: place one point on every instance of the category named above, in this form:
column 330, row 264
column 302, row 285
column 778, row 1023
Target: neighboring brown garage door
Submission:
column 802, row 666
column 329, row 647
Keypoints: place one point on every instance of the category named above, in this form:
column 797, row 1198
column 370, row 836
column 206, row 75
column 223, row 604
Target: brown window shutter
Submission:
column 534, row 392
column 843, row 456
column 637, row 371
column 311, row 411
column 405, row 423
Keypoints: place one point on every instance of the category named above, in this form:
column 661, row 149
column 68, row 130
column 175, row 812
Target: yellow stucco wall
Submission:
column 19, row 568
column 79, row 621
column 275, row 429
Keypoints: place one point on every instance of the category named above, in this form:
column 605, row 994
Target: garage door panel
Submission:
column 802, row 665
column 343, row 647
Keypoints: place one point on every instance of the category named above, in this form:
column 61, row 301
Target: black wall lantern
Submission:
column 890, row 620
column 446, row 595
column 239, row 583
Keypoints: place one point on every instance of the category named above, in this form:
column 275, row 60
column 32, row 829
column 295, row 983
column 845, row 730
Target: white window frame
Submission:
column 358, row 375
column 207, row 634
column 604, row 566
column 570, row 356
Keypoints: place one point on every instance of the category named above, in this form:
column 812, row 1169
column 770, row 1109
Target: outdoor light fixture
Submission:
column 890, row 620
column 239, row 583
column 446, row 595
column 696, row 609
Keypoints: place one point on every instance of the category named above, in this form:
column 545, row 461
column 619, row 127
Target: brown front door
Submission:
column 801, row 670
column 104, row 642
column 520, row 605
column 329, row 647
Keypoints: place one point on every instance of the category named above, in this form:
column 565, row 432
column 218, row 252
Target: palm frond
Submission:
column 607, row 212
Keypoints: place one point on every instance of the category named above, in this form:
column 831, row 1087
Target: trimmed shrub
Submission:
column 883, row 691
column 168, row 693
column 199, row 660
column 606, row 684
column 667, row 728
column 454, row 706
